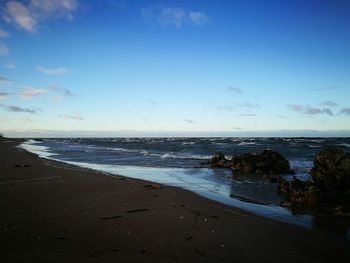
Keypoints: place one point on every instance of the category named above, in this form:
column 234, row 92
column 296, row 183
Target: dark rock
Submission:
column 331, row 171
column 330, row 187
column 264, row 163
column 219, row 161
column 299, row 193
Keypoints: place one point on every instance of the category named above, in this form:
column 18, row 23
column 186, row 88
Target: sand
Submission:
column 50, row 212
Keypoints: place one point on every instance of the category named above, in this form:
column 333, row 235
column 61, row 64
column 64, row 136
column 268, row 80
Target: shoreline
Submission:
column 71, row 213
column 265, row 210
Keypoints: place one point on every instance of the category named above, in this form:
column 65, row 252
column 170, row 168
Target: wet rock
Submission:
column 331, row 171
column 329, row 189
column 219, row 161
column 263, row 163
column 299, row 193
column 266, row 163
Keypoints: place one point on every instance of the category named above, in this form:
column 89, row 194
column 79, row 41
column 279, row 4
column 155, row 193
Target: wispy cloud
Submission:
column 198, row 18
column 9, row 65
column 327, row 88
column 76, row 116
column 29, row 93
column 3, row 33
column 329, row 103
column 309, row 110
column 246, row 107
column 327, row 111
column 173, row 16
column 63, row 93
column 189, row 121
column 247, row 114
column 19, row 15
column 4, row 81
column 236, row 90
column 3, row 95
column 345, row 111
column 17, row 109
column 152, row 102
column 249, row 105
column 4, row 50
column 30, row 14
column 53, row 71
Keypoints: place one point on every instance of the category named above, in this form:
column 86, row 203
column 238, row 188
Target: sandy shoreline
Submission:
column 55, row 213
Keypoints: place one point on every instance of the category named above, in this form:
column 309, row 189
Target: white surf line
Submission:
column 30, row 180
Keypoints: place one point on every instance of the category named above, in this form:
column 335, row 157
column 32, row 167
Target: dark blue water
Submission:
column 176, row 162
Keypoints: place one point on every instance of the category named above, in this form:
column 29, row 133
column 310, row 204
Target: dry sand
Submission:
column 50, row 212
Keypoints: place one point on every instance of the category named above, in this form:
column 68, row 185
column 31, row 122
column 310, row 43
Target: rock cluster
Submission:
column 219, row 161
column 330, row 185
column 263, row 163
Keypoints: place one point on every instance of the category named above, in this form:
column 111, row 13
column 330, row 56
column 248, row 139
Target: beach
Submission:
column 53, row 212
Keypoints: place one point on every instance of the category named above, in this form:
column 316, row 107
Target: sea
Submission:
column 180, row 162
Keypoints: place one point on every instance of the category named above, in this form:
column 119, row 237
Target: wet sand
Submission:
column 50, row 212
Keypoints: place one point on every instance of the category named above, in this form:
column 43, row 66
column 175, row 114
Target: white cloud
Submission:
column 173, row 16
column 28, row 16
column 198, row 18
column 3, row 95
column 4, row 81
column 9, row 65
column 309, row 110
column 345, row 111
column 44, row 9
column 246, row 107
column 62, row 93
column 329, row 103
column 53, row 71
column 249, row 105
column 76, row 116
column 17, row 109
column 3, row 33
column 19, row 15
column 189, row 121
column 59, row 98
column 29, row 93
column 234, row 89
column 4, row 49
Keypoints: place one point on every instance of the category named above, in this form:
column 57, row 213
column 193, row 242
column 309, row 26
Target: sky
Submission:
column 174, row 68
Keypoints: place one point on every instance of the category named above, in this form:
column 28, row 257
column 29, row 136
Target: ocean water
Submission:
column 177, row 162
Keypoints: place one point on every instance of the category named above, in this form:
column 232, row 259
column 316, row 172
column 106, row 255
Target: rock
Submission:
column 219, row 161
column 263, row 163
column 330, row 187
column 331, row 171
column 299, row 193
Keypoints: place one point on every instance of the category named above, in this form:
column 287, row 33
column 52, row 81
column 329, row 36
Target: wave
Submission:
column 188, row 143
column 185, row 157
column 170, row 155
column 314, row 146
column 31, row 146
column 118, row 149
column 246, row 143
column 344, row 145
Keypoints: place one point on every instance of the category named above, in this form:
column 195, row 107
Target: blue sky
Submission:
column 193, row 67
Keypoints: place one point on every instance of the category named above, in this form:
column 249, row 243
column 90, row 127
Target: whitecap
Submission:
column 185, row 157
column 246, row 143
column 344, row 145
